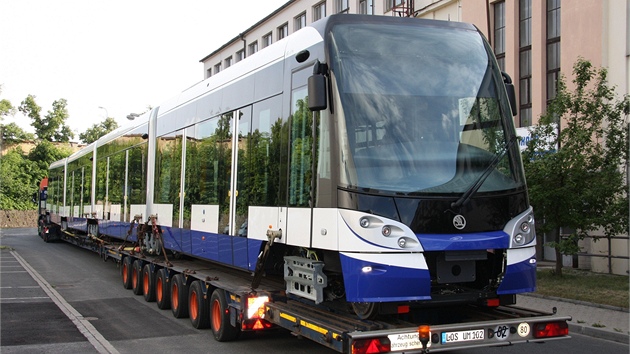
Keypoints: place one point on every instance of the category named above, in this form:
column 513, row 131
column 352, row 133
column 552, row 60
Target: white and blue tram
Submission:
column 379, row 149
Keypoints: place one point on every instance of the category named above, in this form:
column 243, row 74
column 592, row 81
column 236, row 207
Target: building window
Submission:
column 267, row 40
column 499, row 33
column 252, row 48
column 283, row 31
column 525, row 62
column 390, row 4
column 319, row 11
column 366, row 7
column 240, row 55
column 341, row 6
column 553, row 47
column 299, row 22
column 208, row 73
column 228, row 62
column 217, row 68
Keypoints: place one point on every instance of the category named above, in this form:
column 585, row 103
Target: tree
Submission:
column 18, row 181
column 574, row 161
column 98, row 130
column 12, row 133
column 6, row 108
column 52, row 127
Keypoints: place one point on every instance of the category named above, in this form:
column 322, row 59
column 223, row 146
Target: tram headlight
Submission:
column 525, row 227
column 519, row 239
column 386, row 230
column 364, row 222
column 402, row 242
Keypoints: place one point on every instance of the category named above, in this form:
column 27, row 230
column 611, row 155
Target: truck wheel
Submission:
column 162, row 289
column 198, row 306
column 136, row 277
column 179, row 296
column 148, row 283
column 125, row 272
column 222, row 330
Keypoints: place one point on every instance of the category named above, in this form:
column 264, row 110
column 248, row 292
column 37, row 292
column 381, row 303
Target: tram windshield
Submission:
column 421, row 110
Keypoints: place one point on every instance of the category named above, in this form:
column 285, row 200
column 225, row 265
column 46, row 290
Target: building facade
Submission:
column 535, row 42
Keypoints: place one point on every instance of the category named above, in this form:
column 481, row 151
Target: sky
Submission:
column 122, row 55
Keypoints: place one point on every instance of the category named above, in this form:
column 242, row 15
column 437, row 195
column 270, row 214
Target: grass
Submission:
column 586, row 286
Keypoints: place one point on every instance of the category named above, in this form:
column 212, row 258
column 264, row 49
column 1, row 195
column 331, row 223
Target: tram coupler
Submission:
column 272, row 235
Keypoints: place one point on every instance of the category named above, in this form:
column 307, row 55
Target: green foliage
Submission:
column 98, row 130
column 51, row 127
column 575, row 161
column 12, row 133
column 6, row 108
column 18, row 181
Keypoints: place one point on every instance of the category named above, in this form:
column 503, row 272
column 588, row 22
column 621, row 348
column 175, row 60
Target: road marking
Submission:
column 19, row 287
column 24, row 298
column 97, row 340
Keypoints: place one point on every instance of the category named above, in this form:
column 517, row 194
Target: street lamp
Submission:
column 106, row 112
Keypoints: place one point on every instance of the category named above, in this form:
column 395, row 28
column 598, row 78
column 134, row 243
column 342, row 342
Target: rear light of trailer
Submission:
column 256, row 324
column 371, row 346
column 551, row 329
column 256, row 306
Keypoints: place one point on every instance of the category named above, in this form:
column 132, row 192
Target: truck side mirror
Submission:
column 509, row 88
column 317, row 97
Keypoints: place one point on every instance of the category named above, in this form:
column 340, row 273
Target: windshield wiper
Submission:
column 482, row 178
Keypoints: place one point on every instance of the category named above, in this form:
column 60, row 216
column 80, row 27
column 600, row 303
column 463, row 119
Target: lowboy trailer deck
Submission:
column 224, row 299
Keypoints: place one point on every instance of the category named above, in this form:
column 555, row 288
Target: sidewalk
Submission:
column 593, row 320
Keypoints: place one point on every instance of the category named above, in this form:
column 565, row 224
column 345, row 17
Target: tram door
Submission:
column 238, row 174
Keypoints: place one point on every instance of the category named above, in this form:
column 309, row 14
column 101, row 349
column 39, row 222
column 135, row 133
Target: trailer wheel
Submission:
column 136, row 277
column 179, row 296
column 125, row 271
column 198, row 305
column 222, row 330
column 162, row 289
column 148, row 283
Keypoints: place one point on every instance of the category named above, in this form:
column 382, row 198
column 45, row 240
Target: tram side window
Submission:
column 116, row 190
column 137, row 174
column 168, row 173
column 202, row 156
column 244, row 171
column 265, row 153
column 101, row 185
column 300, row 171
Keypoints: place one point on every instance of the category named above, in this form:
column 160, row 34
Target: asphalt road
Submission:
column 58, row 298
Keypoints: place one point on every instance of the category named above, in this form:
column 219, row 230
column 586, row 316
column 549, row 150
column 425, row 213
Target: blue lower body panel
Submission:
column 519, row 278
column 384, row 283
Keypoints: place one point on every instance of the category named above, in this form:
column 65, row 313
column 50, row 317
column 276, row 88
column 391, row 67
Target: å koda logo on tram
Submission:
column 459, row 222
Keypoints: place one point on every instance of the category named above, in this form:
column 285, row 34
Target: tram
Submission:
column 376, row 154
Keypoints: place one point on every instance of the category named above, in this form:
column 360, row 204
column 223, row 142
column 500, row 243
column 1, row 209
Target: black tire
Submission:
column 148, row 283
column 162, row 289
column 179, row 296
column 365, row 310
column 198, row 305
column 125, row 271
column 136, row 277
column 222, row 330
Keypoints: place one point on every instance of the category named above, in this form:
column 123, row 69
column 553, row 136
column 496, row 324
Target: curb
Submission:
column 598, row 333
column 578, row 302
column 588, row 330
